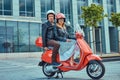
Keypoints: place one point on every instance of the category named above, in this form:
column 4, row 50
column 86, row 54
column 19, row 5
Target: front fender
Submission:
column 91, row 57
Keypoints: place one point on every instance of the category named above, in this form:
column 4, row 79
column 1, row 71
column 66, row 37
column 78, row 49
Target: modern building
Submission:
column 20, row 23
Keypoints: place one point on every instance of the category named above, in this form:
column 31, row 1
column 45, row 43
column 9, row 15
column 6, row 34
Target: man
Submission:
column 48, row 36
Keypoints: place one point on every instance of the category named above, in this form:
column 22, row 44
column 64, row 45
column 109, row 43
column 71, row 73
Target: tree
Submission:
column 115, row 19
column 92, row 15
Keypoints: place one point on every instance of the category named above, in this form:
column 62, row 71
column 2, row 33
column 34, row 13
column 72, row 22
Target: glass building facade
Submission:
column 16, row 36
column 20, row 23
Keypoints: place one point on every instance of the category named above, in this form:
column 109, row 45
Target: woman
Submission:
column 64, row 38
column 61, row 32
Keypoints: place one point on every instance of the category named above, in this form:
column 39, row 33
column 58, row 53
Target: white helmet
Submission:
column 50, row 12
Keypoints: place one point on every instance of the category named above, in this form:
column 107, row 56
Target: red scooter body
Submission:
column 86, row 57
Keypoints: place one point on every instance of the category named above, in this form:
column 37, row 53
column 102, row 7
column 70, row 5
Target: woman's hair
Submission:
column 62, row 25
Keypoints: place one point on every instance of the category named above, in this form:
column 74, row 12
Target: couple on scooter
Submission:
column 56, row 35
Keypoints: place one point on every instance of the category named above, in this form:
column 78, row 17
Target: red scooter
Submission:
column 85, row 58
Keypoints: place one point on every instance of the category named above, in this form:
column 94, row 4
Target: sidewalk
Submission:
column 20, row 55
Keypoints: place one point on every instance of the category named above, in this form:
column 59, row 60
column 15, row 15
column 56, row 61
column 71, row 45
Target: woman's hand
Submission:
column 45, row 48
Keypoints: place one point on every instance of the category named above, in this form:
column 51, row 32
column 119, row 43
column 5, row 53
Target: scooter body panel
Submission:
column 46, row 56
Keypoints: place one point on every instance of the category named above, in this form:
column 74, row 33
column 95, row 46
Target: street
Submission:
column 27, row 69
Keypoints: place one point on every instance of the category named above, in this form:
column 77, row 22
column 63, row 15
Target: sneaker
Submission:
column 55, row 64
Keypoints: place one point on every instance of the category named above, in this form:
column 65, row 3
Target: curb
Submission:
column 110, row 57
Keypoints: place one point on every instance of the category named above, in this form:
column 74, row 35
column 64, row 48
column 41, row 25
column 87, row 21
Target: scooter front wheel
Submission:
column 95, row 69
column 46, row 71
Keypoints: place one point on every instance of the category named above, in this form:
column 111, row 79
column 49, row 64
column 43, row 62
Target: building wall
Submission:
column 25, row 29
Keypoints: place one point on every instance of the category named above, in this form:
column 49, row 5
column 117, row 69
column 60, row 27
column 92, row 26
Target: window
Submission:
column 27, row 8
column 110, row 1
column 23, row 33
column 80, row 3
column 34, row 33
column 119, row 2
column 45, row 6
column 97, row 1
column 6, row 7
column 66, row 7
column 110, row 6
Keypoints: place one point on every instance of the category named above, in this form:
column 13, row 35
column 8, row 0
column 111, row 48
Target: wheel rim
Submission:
column 45, row 69
column 95, row 70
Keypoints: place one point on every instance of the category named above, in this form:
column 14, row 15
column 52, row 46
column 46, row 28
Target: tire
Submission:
column 95, row 69
column 48, row 74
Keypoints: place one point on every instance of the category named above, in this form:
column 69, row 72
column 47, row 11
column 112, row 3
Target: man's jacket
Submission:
column 47, row 33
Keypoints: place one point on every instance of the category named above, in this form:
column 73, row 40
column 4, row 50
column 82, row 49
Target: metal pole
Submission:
column 118, row 32
column 94, row 40
column 100, row 42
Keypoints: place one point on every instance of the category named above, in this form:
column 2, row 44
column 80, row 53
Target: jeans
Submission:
column 56, row 47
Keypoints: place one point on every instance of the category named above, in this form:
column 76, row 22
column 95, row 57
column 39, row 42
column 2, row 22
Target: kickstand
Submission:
column 58, row 74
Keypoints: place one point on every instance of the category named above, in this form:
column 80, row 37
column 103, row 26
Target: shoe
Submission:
column 55, row 64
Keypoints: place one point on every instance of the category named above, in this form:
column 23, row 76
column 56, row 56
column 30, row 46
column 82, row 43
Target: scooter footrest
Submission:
column 41, row 63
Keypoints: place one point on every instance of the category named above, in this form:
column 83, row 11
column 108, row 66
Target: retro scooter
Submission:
column 82, row 57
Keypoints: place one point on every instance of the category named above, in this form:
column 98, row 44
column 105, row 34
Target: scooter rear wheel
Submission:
column 95, row 69
column 46, row 73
